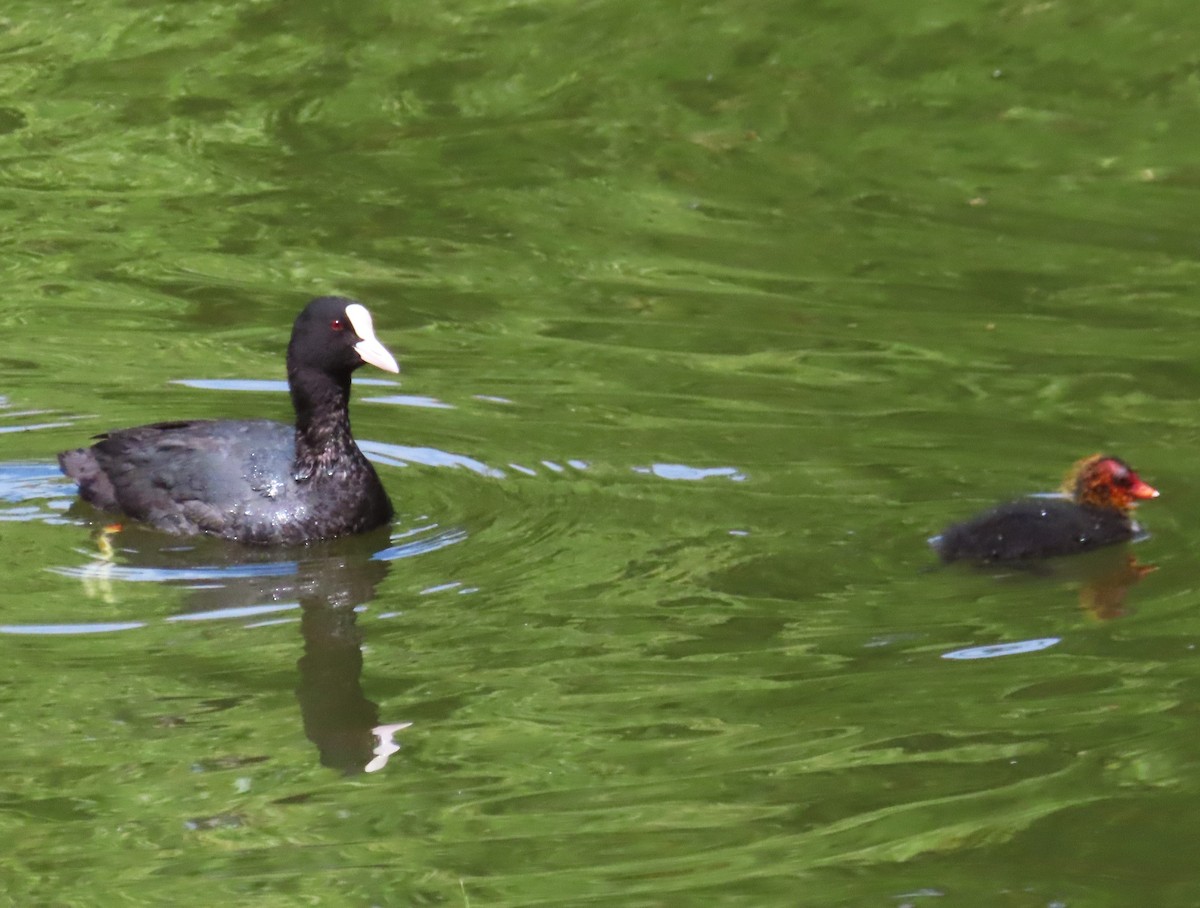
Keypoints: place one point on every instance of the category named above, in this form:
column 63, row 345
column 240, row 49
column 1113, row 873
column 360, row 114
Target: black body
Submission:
column 1033, row 528
column 253, row 481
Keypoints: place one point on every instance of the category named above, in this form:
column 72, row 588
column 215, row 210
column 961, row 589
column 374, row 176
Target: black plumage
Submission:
column 1033, row 528
column 255, row 481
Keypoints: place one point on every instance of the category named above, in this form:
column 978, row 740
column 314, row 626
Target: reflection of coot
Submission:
column 329, row 580
column 1102, row 490
column 338, row 717
column 256, row 481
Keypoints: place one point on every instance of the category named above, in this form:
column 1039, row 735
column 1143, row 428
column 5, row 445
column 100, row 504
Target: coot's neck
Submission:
column 323, row 438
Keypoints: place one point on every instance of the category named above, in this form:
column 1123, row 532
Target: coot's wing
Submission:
column 185, row 477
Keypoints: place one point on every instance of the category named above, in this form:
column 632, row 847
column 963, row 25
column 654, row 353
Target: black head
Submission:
column 334, row 335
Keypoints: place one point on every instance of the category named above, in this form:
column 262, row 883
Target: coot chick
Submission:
column 256, row 481
column 1098, row 495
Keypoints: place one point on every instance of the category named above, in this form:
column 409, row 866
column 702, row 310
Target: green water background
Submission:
column 729, row 306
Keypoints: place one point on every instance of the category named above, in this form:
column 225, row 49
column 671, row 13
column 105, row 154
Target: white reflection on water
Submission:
column 440, row 588
column 232, row 384
column 53, row 629
column 411, row 400
column 420, row 546
column 279, row 386
column 4, row 430
column 403, row 455
column 260, row 384
column 242, row 611
column 1003, row 649
column 200, row 573
column 29, row 481
column 683, row 471
column 58, row 423
column 386, row 745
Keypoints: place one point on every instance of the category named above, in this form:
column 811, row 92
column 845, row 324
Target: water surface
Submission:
column 708, row 318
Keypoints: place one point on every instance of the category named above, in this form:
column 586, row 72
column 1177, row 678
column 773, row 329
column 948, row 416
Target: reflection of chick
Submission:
column 1102, row 492
column 1103, row 596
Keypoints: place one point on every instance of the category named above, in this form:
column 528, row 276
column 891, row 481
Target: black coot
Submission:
column 1099, row 495
column 256, row 481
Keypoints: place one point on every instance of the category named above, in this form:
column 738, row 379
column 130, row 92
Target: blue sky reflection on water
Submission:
column 993, row 651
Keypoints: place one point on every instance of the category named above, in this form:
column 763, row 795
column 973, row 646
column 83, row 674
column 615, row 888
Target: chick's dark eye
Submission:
column 337, row 325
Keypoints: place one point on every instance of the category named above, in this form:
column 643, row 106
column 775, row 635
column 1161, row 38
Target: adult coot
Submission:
column 254, row 480
column 1098, row 495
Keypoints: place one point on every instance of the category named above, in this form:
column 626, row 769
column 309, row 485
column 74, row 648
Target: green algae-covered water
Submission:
column 709, row 315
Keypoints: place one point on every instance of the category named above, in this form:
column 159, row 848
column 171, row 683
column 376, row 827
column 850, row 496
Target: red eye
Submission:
column 337, row 325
